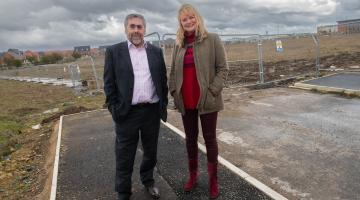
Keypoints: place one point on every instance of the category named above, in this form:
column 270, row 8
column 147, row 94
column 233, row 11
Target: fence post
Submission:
column 261, row 67
column 74, row 71
column 164, row 47
column 95, row 73
column 317, row 64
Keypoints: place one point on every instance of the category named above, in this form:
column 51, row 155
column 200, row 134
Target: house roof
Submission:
column 82, row 48
column 16, row 51
column 348, row 21
column 15, row 55
column 103, row 47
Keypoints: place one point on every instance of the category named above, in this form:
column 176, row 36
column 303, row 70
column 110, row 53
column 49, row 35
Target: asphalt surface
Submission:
column 342, row 80
column 303, row 144
column 87, row 165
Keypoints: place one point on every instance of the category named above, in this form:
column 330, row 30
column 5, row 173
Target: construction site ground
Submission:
column 303, row 144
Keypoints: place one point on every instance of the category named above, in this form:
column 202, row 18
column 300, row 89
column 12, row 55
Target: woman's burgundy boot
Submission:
column 193, row 170
column 213, row 183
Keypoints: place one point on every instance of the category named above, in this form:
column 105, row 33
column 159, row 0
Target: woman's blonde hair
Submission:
column 200, row 31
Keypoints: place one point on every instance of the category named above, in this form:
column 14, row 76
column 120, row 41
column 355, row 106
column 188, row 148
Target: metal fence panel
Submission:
column 288, row 55
column 251, row 58
column 339, row 52
column 168, row 42
column 244, row 58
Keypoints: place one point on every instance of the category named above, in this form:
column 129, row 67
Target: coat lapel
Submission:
column 126, row 54
column 150, row 57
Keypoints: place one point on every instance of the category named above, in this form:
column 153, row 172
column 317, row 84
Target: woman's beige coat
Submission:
column 211, row 73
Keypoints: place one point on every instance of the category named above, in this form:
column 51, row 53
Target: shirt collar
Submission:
column 131, row 45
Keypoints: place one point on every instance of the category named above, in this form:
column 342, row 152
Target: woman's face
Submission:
column 188, row 22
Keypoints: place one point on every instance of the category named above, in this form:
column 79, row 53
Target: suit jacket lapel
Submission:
column 126, row 56
column 150, row 58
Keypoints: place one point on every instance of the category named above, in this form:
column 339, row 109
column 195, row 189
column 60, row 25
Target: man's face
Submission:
column 135, row 31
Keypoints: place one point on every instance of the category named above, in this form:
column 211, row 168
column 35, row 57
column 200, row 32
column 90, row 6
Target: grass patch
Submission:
column 8, row 132
column 8, row 129
column 22, row 106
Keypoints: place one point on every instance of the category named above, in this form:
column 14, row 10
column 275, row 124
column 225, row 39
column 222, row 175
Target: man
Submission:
column 135, row 86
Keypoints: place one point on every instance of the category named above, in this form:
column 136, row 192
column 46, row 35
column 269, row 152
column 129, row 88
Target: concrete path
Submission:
column 87, row 163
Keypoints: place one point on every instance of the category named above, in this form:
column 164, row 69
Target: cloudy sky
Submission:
column 62, row 24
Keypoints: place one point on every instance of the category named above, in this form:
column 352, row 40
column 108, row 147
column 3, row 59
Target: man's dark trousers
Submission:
column 142, row 120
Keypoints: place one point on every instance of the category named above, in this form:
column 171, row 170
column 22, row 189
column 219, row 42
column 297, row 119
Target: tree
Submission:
column 9, row 60
column 76, row 55
column 31, row 59
column 55, row 57
column 17, row 63
column 51, row 58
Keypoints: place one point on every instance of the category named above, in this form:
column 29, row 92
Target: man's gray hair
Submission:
column 130, row 16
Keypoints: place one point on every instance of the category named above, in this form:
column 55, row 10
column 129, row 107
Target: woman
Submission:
column 198, row 72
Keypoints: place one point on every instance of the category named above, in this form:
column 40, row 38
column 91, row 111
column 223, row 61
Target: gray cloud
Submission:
column 62, row 24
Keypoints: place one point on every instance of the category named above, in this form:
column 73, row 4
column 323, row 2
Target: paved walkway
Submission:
column 87, row 162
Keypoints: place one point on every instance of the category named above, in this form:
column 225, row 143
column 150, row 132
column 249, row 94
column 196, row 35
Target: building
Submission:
column 15, row 53
column 327, row 30
column 349, row 26
column 103, row 48
column 83, row 50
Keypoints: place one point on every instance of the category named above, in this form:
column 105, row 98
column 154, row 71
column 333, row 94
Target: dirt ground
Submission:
column 26, row 153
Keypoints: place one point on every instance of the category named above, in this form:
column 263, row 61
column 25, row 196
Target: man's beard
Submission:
column 136, row 39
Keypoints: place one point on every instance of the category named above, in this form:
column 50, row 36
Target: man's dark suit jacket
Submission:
column 119, row 79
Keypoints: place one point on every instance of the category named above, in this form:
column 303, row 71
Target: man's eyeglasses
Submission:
column 133, row 26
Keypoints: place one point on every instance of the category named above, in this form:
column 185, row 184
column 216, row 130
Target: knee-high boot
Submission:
column 213, row 183
column 193, row 172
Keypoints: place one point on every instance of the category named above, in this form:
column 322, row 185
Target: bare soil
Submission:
column 27, row 154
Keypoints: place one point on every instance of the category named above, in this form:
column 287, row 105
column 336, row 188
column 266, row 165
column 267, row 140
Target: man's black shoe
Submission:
column 121, row 196
column 153, row 191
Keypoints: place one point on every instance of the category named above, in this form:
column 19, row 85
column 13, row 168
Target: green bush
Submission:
column 51, row 58
column 31, row 59
column 10, row 61
column 76, row 55
column 17, row 63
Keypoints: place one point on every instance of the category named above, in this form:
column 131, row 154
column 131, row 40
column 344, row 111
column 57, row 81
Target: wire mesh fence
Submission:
column 244, row 58
column 252, row 58
column 288, row 55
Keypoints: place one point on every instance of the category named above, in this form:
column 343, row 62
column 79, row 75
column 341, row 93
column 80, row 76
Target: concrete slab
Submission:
column 342, row 83
column 86, row 169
